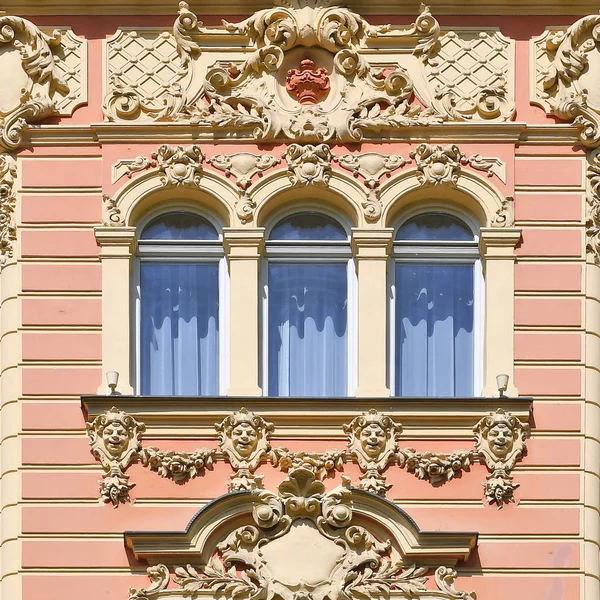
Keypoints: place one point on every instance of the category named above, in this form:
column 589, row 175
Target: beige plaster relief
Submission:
column 244, row 441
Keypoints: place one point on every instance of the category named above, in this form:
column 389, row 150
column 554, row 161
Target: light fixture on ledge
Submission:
column 112, row 379
column 502, row 383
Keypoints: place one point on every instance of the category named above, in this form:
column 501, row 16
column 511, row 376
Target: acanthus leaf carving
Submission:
column 159, row 576
column 593, row 202
column 259, row 559
column 434, row 467
column 179, row 165
column 319, row 463
column 371, row 166
column 564, row 82
column 308, row 164
column 112, row 213
column 8, row 203
column 243, row 166
column 115, row 438
column 31, row 95
column 500, row 443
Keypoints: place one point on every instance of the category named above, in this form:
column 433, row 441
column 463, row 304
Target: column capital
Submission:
column 499, row 241
column 116, row 241
column 371, row 243
column 242, row 242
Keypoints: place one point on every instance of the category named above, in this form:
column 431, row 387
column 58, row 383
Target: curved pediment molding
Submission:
column 302, row 541
column 308, row 71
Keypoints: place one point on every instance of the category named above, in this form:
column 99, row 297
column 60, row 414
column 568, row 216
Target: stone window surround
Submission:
column 244, row 249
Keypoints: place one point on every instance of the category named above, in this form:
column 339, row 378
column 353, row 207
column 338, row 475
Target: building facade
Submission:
column 299, row 300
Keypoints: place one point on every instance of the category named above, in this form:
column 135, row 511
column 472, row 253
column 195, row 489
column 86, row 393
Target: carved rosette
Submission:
column 178, row 165
column 115, row 438
column 8, row 202
column 373, row 441
column 244, row 439
column 500, row 443
column 243, row 166
column 308, row 164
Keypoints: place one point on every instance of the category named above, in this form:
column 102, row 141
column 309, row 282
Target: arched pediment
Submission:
column 301, row 542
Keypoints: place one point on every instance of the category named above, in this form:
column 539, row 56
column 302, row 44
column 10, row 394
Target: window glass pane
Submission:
column 435, row 226
column 179, row 226
column 308, row 226
column 308, row 341
column 179, row 329
column 434, row 330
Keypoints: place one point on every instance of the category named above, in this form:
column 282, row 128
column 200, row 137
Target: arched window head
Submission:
column 435, row 227
column 180, row 225
column 308, row 226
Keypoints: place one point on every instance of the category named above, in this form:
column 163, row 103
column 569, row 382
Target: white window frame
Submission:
column 181, row 251
column 439, row 253
column 315, row 252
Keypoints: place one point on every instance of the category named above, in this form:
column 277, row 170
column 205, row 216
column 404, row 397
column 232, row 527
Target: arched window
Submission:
column 435, row 350
column 179, row 304
column 307, row 341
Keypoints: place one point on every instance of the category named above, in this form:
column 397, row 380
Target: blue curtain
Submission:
column 179, row 329
column 308, row 346
column 434, row 330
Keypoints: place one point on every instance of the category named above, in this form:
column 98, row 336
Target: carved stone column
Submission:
column 117, row 248
column 243, row 249
column 371, row 250
column 497, row 246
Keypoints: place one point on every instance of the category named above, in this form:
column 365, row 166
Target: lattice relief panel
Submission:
column 146, row 62
column 543, row 58
column 70, row 59
column 468, row 64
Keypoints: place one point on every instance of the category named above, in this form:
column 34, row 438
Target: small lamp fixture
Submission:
column 502, row 383
column 112, row 379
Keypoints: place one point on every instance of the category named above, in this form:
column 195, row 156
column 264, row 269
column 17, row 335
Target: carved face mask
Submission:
column 501, row 439
column 115, row 438
column 372, row 438
column 244, row 438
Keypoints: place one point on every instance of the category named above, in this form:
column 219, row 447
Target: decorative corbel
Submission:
column 243, row 166
column 373, row 441
column 8, row 201
column 179, row 165
column 500, row 443
column 244, row 440
column 371, row 166
column 115, row 438
column 308, row 164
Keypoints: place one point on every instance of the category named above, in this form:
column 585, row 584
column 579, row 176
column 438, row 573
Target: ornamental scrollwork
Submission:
column 35, row 82
column 178, row 165
column 565, row 85
column 436, row 468
column 115, row 438
column 505, row 215
column 371, row 166
column 593, row 203
column 243, row 166
column 308, row 164
column 112, row 212
column 500, row 443
column 8, row 202
column 260, row 559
